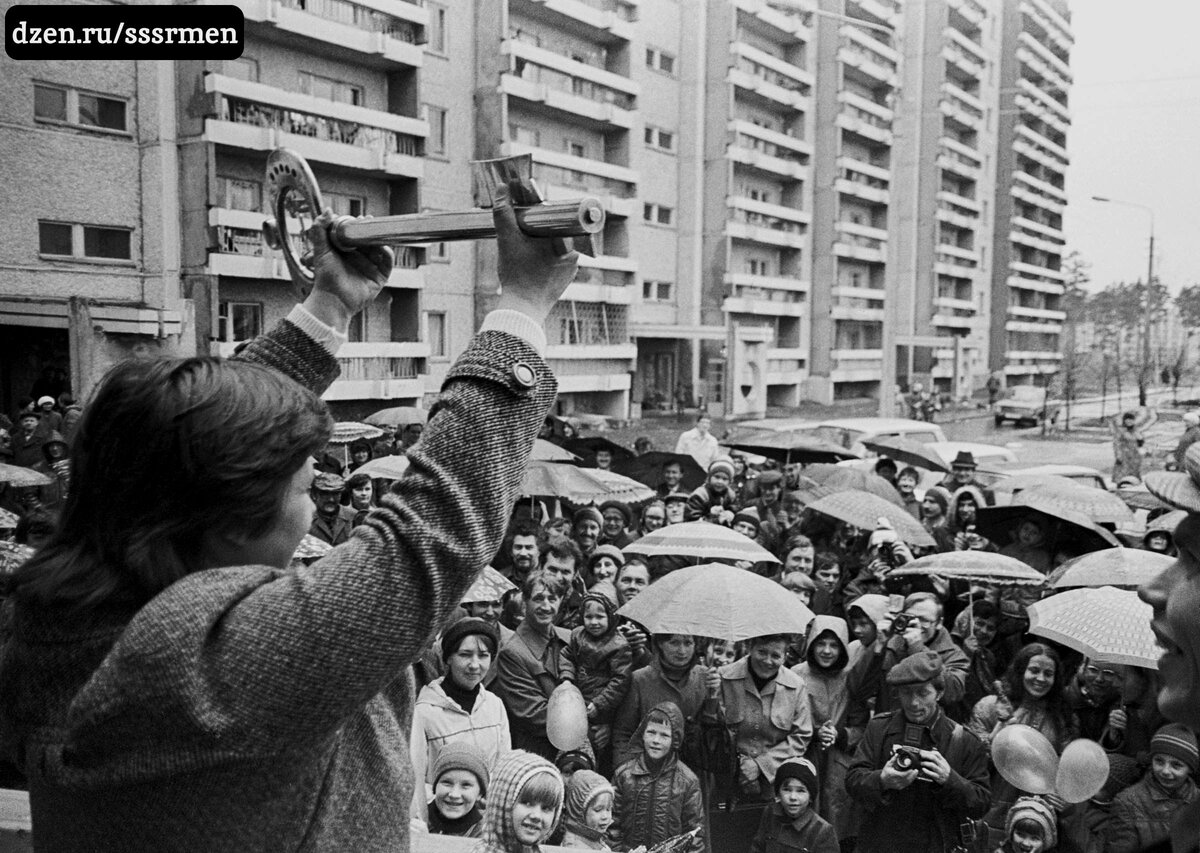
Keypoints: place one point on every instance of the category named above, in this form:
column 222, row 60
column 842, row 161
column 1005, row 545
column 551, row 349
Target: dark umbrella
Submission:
column 1064, row 526
column 588, row 445
column 647, row 469
column 786, row 449
column 909, row 451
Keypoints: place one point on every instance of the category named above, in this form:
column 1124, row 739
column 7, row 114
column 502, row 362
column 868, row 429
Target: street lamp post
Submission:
column 1147, row 312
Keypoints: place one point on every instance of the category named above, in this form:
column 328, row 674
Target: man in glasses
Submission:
column 1094, row 693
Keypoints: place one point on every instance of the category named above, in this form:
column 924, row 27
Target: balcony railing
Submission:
column 582, row 181
column 562, row 82
column 762, row 220
column 587, row 324
column 377, row 139
column 361, row 17
column 248, row 242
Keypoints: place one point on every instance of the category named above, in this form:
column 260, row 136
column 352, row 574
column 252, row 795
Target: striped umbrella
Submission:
column 1120, row 567
column 863, row 509
column 581, row 485
column 345, row 432
column 1100, row 506
column 702, row 540
column 978, row 566
column 489, row 586
column 1111, row 625
column 20, row 477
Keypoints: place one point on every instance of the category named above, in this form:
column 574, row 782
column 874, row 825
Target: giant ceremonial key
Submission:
column 296, row 201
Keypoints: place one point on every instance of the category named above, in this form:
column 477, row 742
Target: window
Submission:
column 436, row 333
column 656, row 137
column 758, row 266
column 86, row 109
column 329, row 89
column 575, row 148
column 346, row 205
column 524, row 135
column 660, row 61
column 239, row 321
column 437, row 27
column 658, row 214
column 436, row 142
column 657, row 291
column 72, row 240
column 239, row 194
column 242, row 68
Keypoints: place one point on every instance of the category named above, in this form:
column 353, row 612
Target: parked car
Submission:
column 1027, row 404
column 1079, row 474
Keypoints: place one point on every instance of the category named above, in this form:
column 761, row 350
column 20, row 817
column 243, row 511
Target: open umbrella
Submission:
column 345, row 432
column 581, row 485
column 1139, row 497
column 865, row 481
column 1063, row 526
column 13, row 556
column 8, row 519
column 489, row 586
column 398, row 416
column 1167, row 522
column 1119, row 567
column 20, row 477
column 1100, row 506
column 1020, row 482
column 977, row 566
column 713, row 600
column 548, row 451
column 588, row 445
column 863, row 509
column 787, row 449
column 702, row 540
column 908, row 451
column 310, row 548
column 647, row 469
column 391, row 467
column 1111, row 625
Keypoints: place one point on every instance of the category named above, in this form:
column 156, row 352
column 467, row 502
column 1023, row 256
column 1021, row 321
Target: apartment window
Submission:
column 86, row 242
column 239, row 321
column 435, row 334
column 242, row 68
column 346, row 205
column 86, row 109
column 760, row 195
column 658, row 214
column 239, row 194
column 657, row 291
column 656, row 137
column 329, row 89
column 437, row 27
column 436, row 142
column 758, row 266
column 856, row 279
column 575, row 148
column 524, row 135
column 660, row 60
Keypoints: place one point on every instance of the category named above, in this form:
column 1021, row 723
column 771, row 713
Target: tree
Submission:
column 1151, row 303
column 1074, row 305
column 1187, row 303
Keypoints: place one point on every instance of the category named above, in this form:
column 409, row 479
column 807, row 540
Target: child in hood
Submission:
column 599, row 660
column 460, row 782
column 791, row 822
column 658, row 797
column 524, row 805
column 1031, row 827
column 588, row 812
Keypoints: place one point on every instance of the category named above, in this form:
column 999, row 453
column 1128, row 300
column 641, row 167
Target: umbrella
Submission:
column 1120, row 567
column 581, row 485
column 786, row 449
column 8, row 519
column 842, row 478
column 1100, row 506
column 647, row 469
column 345, row 432
column 398, row 416
column 311, row 547
column 713, row 600
column 391, row 467
column 1019, row 482
column 702, row 540
column 13, row 556
column 1140, row 498
column 909, row 451
column 489, row 586
column 1112, row 625
column 1064, row 526
column 1168, row 521
column 978, row 566
column 20, row 477
column 548, row 451
column 587, row 447
column 863, row 509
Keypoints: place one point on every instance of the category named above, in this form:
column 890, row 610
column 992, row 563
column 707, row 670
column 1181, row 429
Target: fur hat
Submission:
column 582, row 790
column 798, row 768
column 587, row 512
column 461, row 756
column 467, row 627
column 722, row 464
column 1178, row 742
column 1031, row 808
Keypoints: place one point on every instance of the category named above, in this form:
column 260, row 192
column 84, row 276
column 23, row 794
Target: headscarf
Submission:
column 509, row 776
column 582, row 790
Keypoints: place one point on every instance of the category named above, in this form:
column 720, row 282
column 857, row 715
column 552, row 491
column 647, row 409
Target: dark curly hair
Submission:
column 1013, row 684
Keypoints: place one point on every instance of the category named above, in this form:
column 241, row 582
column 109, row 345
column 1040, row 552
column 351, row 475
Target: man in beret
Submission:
column 769, row 506
column 332, row 521
column 918, row 776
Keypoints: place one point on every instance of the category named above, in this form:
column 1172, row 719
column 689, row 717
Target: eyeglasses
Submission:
column 1096, row 672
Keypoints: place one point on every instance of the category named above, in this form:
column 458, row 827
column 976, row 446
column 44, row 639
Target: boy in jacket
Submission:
column 791, row 822
column 1142, row 813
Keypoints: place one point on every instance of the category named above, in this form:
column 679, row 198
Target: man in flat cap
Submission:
column 919, row 778
column 332, row 522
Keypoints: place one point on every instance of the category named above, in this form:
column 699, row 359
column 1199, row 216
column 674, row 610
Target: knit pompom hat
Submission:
column 461, row 756
column 582, row 790
column 1031, row 808
column 723, row 464
column 1178, row 742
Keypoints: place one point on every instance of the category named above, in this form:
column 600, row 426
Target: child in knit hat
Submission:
column 588, row 811
column 792, row 822
column 714, row 500
column 1031, row 827
column 1083, row 827
column 460, row 782
column 524, row 805
column 1142, row 813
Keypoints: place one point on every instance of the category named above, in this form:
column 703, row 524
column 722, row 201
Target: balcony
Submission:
column 1050, row 22
column 856, row 365
column 952, row 267
column 1037, row 199
column 972, row 48
column 966, row 63
column 1039, row 186
column 970, row 10
column 871, row 58
column 771, row 67
column 1041, row 96
column 600, row 20
column 884, row 11
column 863, row 180
column 1054, row 234
column 1044, row 143
column 786, row 284
column 961, row 203
column 620, row 182
column 1022, row 236
column 263, row 118
column 766, row 82
column 950, row 303
column 1039, row 69
column 860, row 242
column 768, row 150
column 857, row 312
column 1033, row 107
column 772, row 224
column 955, row 216
column 385, row 34
column 559, row 184
column 954, row 321
column 1035, row 328
column 761, row 307
column 380, row 371
column 1047, row 56
column 1037, row 313
column 965, row 109
column 1039, row 272
column 777, row 212
column 1030, row 281
column 779, row 25
column 541, row 76
column 785, row 365
column 865, row 118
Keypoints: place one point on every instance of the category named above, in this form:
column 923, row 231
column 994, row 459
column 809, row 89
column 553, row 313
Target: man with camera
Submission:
column 919, row 778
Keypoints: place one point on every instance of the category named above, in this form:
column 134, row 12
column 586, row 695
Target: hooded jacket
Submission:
column 509, row 776
column 653, row 805
column 599, row 666
column 583, row 789
column 648, row 687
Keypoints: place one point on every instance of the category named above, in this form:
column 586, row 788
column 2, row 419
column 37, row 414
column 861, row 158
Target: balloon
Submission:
column 1025, row 758
column 1082, row 771
column 566, row 717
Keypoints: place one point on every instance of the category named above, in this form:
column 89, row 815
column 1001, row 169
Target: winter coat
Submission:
column 871, row 669
column 931, row 813
column 1083, row 827
column 703, row 499
column 439, row 721
column 652, row 806
column 335, row 531
column 579, row 840
column 648, row 687
column 509, row 777
column 770, row 726
column 600, row 667
column 468, row 826
column 808, row 833
column 526, row 676
column 252, row 708
column 1143, row 812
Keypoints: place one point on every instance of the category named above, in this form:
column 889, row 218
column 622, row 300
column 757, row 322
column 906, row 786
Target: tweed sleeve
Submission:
column 253, row 657
column 294, row 353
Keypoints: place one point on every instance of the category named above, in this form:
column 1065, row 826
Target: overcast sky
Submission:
column 1135, row 136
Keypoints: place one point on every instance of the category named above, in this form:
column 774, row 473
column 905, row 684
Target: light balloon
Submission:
column 1025, row 758
column 566, row 717
column 1082, row 771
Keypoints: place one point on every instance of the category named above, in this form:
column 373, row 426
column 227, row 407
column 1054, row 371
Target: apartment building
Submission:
column 89, row 267
column 1028, row 280
column 857, row 70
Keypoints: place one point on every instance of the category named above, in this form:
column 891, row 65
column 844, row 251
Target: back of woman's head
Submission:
column 168, row 452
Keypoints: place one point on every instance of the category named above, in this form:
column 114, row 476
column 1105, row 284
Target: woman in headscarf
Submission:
column 525, row 800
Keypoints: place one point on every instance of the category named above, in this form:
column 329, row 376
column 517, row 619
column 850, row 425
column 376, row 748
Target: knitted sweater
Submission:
column 249, row 708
